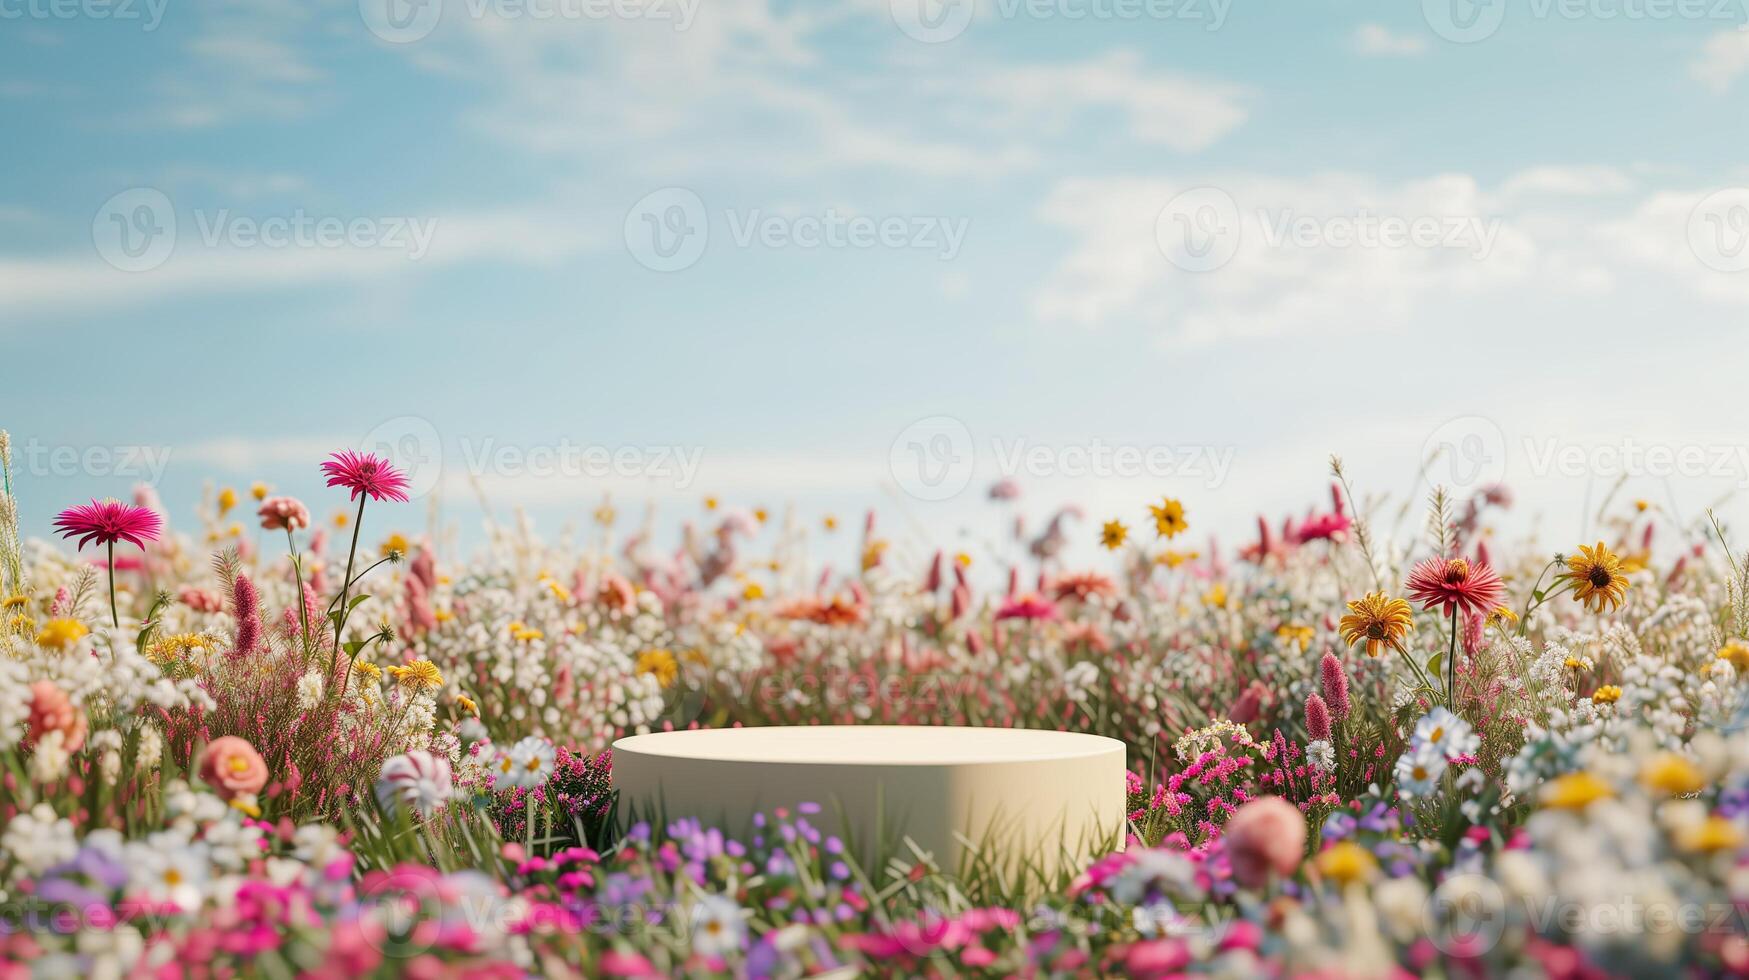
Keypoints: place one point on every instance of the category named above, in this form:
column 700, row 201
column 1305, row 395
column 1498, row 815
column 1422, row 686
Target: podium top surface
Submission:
column 869, row 745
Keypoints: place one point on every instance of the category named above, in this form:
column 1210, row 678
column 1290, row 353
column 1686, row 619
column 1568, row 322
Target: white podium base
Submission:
column 1027, row 799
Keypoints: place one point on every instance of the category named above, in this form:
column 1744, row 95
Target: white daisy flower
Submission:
column 525, row 765
column 717, row 926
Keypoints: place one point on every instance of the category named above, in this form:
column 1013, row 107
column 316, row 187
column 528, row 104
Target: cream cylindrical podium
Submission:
column 1023, row 797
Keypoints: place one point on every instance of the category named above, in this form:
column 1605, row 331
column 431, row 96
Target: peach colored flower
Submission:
column 282, row 513
column 232, row 766
column 1265, row 836
column 52, row 711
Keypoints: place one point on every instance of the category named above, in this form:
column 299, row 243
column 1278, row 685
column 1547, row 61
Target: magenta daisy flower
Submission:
column 366, row 473
column 109, row 521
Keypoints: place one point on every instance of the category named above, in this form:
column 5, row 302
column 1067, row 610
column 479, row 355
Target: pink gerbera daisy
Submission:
column 109, row 521
column 1453, row 584
column 366, row 473
column 1030, row 606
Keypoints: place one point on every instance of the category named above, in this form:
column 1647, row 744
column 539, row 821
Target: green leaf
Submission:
column 1434, row 662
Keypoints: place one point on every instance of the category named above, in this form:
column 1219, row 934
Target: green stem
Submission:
column 345, row 588
column 114, row 617
column 298, row 593
column 1451, row 665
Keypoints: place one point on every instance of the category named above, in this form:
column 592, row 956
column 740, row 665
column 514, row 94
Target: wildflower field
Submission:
column 240, row 740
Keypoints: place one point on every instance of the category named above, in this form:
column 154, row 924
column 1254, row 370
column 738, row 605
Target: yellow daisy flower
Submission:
column 1169, row 519
column 1598, row 577
column 1112, row 535
column 60, row 634
column 660, row 663
column 1379, row 620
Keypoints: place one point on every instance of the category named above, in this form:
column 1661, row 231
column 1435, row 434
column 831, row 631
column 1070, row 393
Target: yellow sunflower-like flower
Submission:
column 176, row 646
column 467, row 704
column 872, row 554
column 661, row 663
column 1173, row 559
column 1737, row 655
column 1169, row 519
column 753, row 592
column 60, row 634
column 557, row 589
column 1112, row 535
column 1606, row 694
column 1576, row 791
column 1672, row 775
column 1379, row 620
column 1295, row 633
column 1215, row 597
column 1598, row 577
column 393, row 544
column 21, row 623
column 1715, row 833
column 1346, row 863
column 15, row 601
column 420, row 675
column 365, row 668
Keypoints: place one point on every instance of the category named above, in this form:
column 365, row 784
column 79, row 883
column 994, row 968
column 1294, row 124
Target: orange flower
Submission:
column 231, row 766
column 52, row 711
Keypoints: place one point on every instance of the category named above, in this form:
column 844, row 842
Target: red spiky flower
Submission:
column 109, row 521
column 366, row 473
column 1453, row 583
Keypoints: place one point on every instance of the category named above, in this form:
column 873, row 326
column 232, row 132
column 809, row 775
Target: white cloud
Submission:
column 82, row 281
column 751, row 88
column 1300, row 260
column 1725, row 56
column 1377, row 40
column 1697, row 239
column 1569, row 181
column 1164, row 109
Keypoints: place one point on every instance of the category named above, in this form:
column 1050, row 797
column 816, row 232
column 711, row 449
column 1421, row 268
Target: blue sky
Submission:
column 490, row 293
